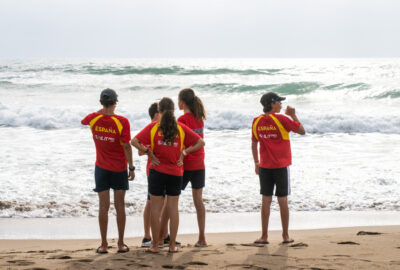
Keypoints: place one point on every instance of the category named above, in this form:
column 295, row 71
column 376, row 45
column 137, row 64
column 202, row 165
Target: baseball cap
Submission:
column 270, row 97
column 108, row 96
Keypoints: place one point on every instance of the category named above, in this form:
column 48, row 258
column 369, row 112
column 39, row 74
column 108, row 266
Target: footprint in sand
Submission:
column 21, row 262
column 348, row 243
column 197, row 263
column 138, row 265
column 65, row 257
column 85, row 260
column 252, row 245
column 368, row 233
column 169, row 266
column 298, row 245
column 246, row 266
column 337, row 255
column 231, row 244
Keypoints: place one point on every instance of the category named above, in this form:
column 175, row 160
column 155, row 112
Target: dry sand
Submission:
column 339, row 248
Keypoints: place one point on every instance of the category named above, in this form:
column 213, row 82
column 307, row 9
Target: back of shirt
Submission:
column 272, row 132
column 194, row 160
column 168, row 154
column 110, row 132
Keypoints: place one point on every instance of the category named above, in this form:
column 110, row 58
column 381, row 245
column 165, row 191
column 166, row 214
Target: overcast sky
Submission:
column 202, row 28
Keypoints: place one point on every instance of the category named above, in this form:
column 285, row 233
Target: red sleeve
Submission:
column 190, row 136
column 126, row 131
column 289, row 124
column 88, row 118
column 144, row 135
column 182, row 119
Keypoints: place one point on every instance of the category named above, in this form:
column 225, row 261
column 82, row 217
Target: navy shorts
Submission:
column 106, row 179
column 269, row 178
column 164, row 184
column 196, row 178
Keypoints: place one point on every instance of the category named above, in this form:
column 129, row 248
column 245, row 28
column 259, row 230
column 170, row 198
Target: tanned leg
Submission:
column 265, row 212
column 201, row 214
column 284, row 207
column 147, row 219
column 104, row 206
column 172, row 207
column 156, row 205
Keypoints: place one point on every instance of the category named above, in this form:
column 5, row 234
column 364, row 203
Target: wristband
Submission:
column 132, row 169
column 147, row 151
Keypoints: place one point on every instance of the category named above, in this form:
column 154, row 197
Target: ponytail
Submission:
column 168, row 124
column 194, row 103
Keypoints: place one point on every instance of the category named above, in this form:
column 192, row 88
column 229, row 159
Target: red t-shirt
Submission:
column 272, row 132
column 110, row 132
column 167, row 154
column 195, row 160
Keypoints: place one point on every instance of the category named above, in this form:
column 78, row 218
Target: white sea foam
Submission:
column 329, row 122
column 347, row 161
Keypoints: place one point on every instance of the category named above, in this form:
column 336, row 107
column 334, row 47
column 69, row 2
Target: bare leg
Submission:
column 283, row 206
column 104, row 206
column 172, row 207
column 201, row 214
column 164, row 222
column 119, row 203
column 265, row 211
column 156, row 205
column 147, row 219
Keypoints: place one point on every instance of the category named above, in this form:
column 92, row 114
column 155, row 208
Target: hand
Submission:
column 180, row 160
column 131, row 175
column 290, row 111
column 256, row 168
column 154, row 160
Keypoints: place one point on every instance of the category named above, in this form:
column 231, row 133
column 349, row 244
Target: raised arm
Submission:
column 292, row 113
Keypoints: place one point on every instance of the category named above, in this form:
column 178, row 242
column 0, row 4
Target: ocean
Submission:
column 347, row 161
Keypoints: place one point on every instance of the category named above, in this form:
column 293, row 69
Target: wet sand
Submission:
column 338, row 248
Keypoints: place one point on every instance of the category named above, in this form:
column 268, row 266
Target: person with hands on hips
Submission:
column 169, row 142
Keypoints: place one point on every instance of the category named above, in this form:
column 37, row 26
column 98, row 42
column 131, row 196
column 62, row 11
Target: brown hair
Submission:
column 194, row 103
column 168, row 124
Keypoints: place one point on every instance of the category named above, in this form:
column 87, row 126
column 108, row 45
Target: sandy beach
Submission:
column 339, row 248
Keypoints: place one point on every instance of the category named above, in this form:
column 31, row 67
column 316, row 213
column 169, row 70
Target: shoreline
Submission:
column 87, row 227
column 339, row 248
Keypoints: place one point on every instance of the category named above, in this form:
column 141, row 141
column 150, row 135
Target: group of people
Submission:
column 175, row 150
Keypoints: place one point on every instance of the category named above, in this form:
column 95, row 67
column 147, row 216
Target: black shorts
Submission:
column 275, row 177
column 106, row 179
column 148, row 190
column 196, row 178
column 161, row 184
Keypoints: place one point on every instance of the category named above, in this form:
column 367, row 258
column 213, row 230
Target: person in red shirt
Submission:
column 193, row 164
column 146, row 241
column 167, row 140
column 271, row 130
column 111, row 136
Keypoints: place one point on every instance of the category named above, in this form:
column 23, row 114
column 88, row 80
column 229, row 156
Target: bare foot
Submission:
column 153, row 250
column 173, row 249
column 122, row 248
column 261, row 240
column 102, row 249
column 287, row 240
